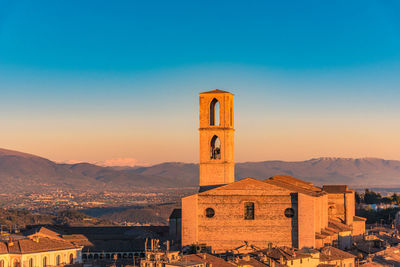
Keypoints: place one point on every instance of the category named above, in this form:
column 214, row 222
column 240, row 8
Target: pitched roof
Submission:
column 329, row 253
column 79, row 240
column 216, row 91
column 207, row 258
column 336, row 189
column 40, row 245
column 41, row 231
column 338, row 225
column 295, row 184
column 286, row 253
column 357, row 218
column 280, row 183
column 3, row 248
column 251, row 262
column 256, row 186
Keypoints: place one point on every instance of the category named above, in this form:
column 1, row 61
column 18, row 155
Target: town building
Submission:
column 281, row 210
column 38, row 251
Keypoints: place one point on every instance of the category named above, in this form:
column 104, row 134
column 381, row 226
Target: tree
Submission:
column 370, row 197
column 357, row 197
column 396, row 198
column 386, row 200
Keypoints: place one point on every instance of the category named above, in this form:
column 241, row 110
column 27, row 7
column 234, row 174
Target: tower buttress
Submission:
column 217, row 164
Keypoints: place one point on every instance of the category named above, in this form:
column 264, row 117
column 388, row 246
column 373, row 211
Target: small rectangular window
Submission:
column 249, row 211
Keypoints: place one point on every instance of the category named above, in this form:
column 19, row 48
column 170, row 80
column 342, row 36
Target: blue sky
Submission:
column 125, row 71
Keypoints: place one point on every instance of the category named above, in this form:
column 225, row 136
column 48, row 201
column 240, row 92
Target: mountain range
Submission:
column 22, row 172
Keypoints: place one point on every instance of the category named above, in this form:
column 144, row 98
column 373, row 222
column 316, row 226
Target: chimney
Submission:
column 281, row 260
column 204, row 256
column 10, row 242
column 167, row 245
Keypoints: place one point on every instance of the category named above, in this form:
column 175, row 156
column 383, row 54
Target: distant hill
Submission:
column 21, row 218
column 357, row 172
column 22, row 172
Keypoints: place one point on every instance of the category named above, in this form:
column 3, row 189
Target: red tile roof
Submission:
column 38, row 245
column 329, row 253
column 207, row 258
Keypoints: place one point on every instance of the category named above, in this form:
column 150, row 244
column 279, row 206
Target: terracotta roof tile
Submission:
column 295, row 184
column 329, row 253
column 336, row 189
column 356, row 218
column 42, row 244
column 3, row 248
column 338, row 225
column 207, row 258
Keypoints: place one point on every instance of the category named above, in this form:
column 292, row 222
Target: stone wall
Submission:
column 306, row 220
column 189, row 220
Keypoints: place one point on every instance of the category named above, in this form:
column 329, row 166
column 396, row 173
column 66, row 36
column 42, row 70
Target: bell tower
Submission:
column 217, row 166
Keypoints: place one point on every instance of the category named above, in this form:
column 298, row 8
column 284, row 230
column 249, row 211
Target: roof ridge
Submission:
column 216, row 91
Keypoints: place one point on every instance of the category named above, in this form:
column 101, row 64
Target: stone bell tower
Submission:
column 217, row 166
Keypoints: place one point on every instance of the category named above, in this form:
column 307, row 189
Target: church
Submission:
column 281, row 210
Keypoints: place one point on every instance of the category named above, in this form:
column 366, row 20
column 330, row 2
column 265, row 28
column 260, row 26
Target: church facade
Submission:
column 280, row 210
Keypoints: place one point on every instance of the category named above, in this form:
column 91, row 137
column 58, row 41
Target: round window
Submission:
column 210, row 213
column 289, row 212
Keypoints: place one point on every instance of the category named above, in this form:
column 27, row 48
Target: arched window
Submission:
column 249, row 210
column 215, row 149
column 30, row 262
column 71, row 258
column 44, row 261
column 58, row 260
column 214, row 112
column 1, row 263
column 16, row 263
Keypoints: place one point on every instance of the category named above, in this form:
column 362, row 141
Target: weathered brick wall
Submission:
column 189, row 220
column 228, row 229
column 320, row 213
column 306, row 221
column 325, row 211
column 344, row 204
column 337, row 202
column 217, row 171
column 349, row 208
column 358, row 229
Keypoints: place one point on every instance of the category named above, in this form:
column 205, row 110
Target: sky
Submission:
column 118, row 81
